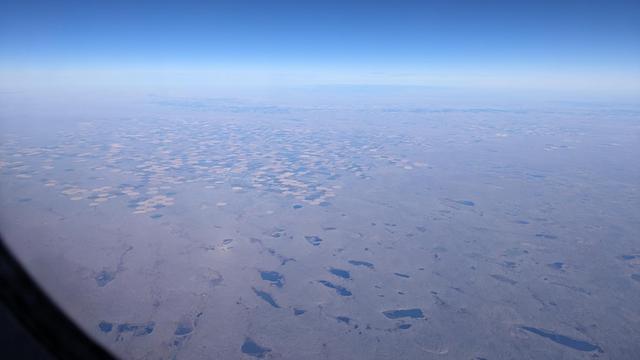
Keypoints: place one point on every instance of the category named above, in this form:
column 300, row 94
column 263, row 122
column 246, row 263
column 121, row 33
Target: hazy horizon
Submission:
column 568, row 46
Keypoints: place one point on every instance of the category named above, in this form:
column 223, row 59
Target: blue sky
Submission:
column 575, row 44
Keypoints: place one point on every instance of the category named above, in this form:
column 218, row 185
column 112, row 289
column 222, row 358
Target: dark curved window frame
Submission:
column 40, row 316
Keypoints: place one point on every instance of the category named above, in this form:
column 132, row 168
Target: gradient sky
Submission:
column 575, row 44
